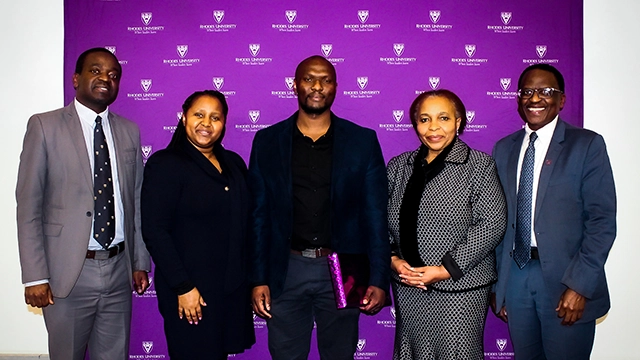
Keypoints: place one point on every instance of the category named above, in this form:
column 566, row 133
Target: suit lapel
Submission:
column 77, row 139
column 555, row 148
column 285, row 143
column 340, row 141
column 116, row 133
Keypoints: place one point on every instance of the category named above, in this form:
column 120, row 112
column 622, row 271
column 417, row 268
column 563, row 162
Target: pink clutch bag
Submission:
column 350, row 277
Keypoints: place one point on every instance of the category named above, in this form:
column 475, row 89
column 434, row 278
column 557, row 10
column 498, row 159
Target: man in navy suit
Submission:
column 552, row 295
column 319, row 184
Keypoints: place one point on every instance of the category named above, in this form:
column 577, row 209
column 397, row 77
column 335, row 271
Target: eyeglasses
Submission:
column 543, row 93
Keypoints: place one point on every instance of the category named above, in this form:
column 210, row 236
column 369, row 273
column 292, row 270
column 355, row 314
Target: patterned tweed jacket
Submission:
column 462, row 213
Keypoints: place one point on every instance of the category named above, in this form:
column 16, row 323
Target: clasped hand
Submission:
column 419, row 277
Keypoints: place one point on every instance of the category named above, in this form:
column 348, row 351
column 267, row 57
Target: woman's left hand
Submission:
column 422, row 276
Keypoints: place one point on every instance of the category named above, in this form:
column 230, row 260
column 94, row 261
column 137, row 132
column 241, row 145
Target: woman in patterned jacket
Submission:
column 446, row 215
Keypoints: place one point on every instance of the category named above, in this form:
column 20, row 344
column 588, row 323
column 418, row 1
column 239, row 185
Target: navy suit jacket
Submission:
column 575, row 215
column 358, row 201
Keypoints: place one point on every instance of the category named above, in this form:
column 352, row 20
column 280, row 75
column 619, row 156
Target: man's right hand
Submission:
column 502, row 314
column 38, row 295
column 261, row 301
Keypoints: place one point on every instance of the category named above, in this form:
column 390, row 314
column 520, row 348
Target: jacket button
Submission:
column 88, row 213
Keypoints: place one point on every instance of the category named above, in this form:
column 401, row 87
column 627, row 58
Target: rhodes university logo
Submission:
column 471, row 115
column 541, row 50
column 398, row 115
column 145, row 84
column 254, row 115
column 288, row 80
column 182, row 50
column 470, row 49
column 291, row 15
column 434, row 82
column 362, row 343
column 146, row 18
column 501, row 344
column 112, row 49
column 398, row 49
column 147, row 346
column 505, row 83
column 218, row 82
column 506, row 17
column 326, row 49
column 363, row 16
column 218, row 15
column 362, row 82
column 254, row 49
column 435, row 16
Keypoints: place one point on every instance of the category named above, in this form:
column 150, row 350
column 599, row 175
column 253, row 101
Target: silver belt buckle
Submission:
column 310, row 253
column 102, row 255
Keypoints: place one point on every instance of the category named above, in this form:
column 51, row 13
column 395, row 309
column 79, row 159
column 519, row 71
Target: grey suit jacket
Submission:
column 55, row 197
column 575, row 215
column 462, row 215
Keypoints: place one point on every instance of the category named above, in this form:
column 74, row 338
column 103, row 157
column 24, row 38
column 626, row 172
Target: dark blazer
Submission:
column 575, row 215
column 55, row 197
column 358, row 201
column 194, row 222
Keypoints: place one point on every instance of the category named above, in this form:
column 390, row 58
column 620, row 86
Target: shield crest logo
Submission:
column 112, row 49
column 398, row 49
column 218, row 15
column 501, row 344
column 145, row 84
column 182, row 50
column 288, row 80
column 218, row 82
column 146, row 151
column 470, row 49
column 506, row 17
column 254, row 115
column 147, row 346
column 434, row 82
column 179, row 115
column 146, row 17
column 392, row 311
column 291, row 15
column 362, row 82
column 326, row 49
column 505, row 83
column 471, row 115
column 541, row 50
column 398, row 115
column 363, row 15
column 254, row 49
column 435, row 16
column 361, row 344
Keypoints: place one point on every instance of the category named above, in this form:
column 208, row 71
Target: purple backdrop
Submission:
column 385, row 53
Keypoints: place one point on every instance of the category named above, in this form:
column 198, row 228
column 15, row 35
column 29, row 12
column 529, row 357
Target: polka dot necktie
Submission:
column 104, row 222
column 522, row 251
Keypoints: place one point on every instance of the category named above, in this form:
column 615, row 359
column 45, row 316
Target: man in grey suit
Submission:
column 561, row 225
column 78, row 270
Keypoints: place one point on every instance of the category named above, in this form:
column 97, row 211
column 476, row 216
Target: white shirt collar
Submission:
column 88, row 115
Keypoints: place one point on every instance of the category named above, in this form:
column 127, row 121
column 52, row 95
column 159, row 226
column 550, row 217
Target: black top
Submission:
column 311, row 175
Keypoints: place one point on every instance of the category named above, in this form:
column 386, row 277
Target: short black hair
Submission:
column 461, row 111
column 83, row 57
column 546, row 67
column 181, row 133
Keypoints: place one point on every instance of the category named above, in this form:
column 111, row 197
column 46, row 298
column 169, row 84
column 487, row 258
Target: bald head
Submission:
column 313, row 60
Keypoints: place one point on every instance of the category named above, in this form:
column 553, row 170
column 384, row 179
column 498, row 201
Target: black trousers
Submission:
column 308, row 296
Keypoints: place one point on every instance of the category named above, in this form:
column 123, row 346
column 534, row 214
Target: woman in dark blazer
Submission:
column 446, row 215
column 194, row 207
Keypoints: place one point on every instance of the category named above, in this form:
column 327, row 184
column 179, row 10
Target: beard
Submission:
column 314, row 110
